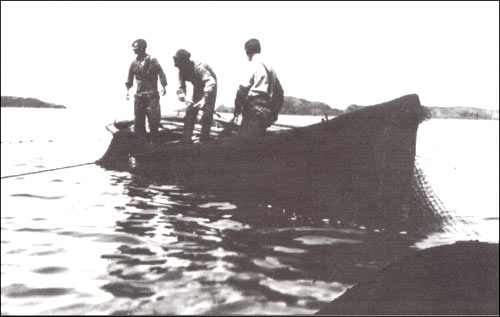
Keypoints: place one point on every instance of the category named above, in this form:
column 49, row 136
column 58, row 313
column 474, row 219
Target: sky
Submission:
column 77, row 53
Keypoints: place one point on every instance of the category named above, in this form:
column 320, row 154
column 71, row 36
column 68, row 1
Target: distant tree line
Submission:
column 19, row 102
column 301, row 106
column 463, row 113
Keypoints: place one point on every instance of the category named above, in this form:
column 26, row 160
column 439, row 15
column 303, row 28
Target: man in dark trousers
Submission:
column 259, row 98
column 204, row 82
column 146, row 70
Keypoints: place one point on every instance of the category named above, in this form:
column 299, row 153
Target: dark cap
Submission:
column 140, row 42
column 182, row 55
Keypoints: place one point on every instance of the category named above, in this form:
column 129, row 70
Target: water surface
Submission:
column 91, row 241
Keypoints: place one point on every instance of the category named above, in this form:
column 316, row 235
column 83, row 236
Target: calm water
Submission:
column 90, row 241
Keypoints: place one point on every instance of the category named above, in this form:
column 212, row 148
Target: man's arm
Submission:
column 209, row 81
column 130, row 80
column 161, row 74
column 241, row 95
column 181, row 90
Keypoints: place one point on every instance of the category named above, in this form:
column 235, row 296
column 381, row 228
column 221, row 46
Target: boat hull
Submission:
column 360, row 163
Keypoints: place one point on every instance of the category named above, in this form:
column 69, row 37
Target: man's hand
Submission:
column 200, row 104
column 163, row 91
column 182, row 98
column 235, row 119
column 127, row 95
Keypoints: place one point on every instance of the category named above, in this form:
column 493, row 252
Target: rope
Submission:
column 47, row 170
column 156, row 151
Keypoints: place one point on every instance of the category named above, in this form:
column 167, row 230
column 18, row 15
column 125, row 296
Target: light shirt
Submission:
column 203, row 79
column 258, row 80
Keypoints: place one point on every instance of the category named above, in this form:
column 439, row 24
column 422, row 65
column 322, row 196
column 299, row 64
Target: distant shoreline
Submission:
column 35, row 107
column 299, row 106
column 18, row 102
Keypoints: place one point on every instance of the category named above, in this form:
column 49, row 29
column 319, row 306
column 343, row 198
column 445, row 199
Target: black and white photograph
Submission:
column 250, row 158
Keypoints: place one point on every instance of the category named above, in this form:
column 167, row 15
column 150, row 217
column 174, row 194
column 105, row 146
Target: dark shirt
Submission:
column 146, row 73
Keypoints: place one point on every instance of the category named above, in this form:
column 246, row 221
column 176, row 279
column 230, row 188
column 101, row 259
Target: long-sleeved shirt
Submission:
column 203, row 79
column 146, row 73
column 259, row 81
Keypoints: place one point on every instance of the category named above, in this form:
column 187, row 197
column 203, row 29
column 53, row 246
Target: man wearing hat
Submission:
column 146, row 70
column 204, row 82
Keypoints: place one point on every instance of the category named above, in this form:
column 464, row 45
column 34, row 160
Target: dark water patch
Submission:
column 141, row 262
column 38, row 219
column 135, row 228
column 141, row 216
column 5, row 242
column 455, row 279
column 491, row 218
column 21, row 290
column 56, row 180
column 37, row 196
column 75, row 234
column 123, row 313
column 120, row 289
column 118, row 238
column 114, row 256
column 193, row 267
column 50, row 270
column 40, row 166
column 135, row 251
column 23, row 164
column 42, row 244
column 167, row 274
column 36, row 230
column 60, row 250
column 8, row 218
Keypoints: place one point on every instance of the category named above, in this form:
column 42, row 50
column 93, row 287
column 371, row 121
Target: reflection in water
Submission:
column 93, row 241
column 196, row 253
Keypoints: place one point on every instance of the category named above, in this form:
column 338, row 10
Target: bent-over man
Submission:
column 204, row 82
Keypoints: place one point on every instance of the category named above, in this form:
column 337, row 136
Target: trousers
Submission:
column 206, row 119
column 147, row 106
column 255, row 119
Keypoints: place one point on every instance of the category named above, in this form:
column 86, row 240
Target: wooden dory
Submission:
column 358, row 163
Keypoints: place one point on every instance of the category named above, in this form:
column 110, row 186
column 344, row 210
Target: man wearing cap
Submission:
column 259, row 98
column 204, row 82
column 146, row 70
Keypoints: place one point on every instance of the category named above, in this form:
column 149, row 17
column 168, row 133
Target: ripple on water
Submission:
column 50, row 252
column 129, row 290
column 37, row 196
column 50, row 270
column 120, row 238
column 21, row 290
column 320, row 240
